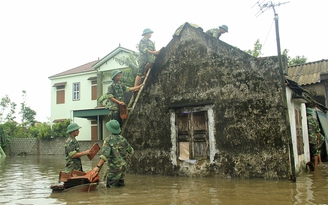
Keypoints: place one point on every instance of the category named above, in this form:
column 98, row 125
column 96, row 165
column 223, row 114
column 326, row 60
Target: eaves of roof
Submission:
column 80, row 69
column 303, row 93
column 109, row 56
column 308, row 73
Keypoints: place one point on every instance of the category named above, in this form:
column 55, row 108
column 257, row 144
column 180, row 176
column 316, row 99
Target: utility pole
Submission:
column 264, row 7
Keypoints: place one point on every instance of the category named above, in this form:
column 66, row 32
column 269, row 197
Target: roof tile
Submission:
column 80, row 69
column 308, row 73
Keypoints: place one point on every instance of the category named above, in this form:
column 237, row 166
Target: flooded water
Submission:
column 27, row 180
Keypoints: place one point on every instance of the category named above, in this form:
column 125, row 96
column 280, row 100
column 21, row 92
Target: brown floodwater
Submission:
column 27, row 180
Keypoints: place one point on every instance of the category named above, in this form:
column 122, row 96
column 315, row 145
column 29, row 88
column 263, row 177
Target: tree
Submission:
column 128, row 75
column 28, row 115
column 59, row 128
column 256, row 52
column 8, row 130
column 294, row 61
column 4, row 105
column 41, row 131
column 10, row 115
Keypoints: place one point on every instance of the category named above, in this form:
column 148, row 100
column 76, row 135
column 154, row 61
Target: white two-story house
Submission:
column 74, row 94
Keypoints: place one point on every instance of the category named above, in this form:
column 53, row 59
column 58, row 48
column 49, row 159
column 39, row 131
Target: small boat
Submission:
column 78, row 188
column 76, row 181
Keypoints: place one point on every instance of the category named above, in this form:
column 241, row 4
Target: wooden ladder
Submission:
column 134, row 99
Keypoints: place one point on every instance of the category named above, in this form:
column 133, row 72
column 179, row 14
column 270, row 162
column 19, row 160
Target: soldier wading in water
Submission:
column 114, row 151
column 72, row 149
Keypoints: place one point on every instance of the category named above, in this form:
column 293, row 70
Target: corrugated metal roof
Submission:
column 308, row 73
column 80, row 69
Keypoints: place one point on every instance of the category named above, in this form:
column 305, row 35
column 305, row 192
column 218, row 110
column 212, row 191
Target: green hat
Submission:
column 309, row 111
column 113, row 126
column 147, row 30
column 225, row 27
column 72, row 127
column 114, row 73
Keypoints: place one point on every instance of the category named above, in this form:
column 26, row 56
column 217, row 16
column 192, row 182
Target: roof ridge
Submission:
column 318, row 61
column 79, row 69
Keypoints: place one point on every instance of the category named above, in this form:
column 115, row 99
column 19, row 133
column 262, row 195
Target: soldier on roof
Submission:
column 217, row 32
column 147, row 54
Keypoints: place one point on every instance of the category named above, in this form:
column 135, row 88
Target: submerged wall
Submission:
column 34, row 146
column 246, row 128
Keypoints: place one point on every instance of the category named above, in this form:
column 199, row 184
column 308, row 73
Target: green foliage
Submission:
column 256, row 52
column 128, row 75
column 59, row 129
column 294, row 61
column 8, row 130
column 28, row 115
column 40, row 131
column 4, row 105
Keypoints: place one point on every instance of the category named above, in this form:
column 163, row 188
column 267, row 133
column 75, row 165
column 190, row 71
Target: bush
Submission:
column 59, row 129
column 40, row 131
column 7, row 131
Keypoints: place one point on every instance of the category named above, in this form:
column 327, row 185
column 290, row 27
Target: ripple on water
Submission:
column 27, row 181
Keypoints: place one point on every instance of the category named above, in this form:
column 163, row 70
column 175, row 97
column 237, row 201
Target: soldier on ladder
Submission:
column 147, row 55
column 115, row 95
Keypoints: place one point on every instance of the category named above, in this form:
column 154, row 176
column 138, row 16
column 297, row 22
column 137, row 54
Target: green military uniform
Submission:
column 313, row 129
column 215, row 32
column 145, row 44
column 116, row 90
column 178, row 31
column 114, row 152
column 71, row 148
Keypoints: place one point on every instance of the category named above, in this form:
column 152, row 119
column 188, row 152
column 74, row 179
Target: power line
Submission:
column 266, row 38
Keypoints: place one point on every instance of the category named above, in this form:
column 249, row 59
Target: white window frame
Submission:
column 76, row 91
column 211, row 130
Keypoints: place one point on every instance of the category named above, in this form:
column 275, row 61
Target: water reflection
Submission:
column 27, row 180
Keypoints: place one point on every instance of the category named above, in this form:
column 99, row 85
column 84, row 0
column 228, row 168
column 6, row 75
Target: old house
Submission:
column 210, row 109
column 313, row 77
column 207, row 109
column 74, row 94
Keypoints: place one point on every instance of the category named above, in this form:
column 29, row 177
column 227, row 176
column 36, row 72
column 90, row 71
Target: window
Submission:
column 192, row 139
column 94, row 130
column 76, row 91
column 60, row 92
column 299, row 136
column 94, row 90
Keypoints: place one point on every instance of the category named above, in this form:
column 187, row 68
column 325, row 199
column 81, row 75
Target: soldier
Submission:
column 147, row 55
column 314, row 135
column 178, row 31
column 72, row 149
column 217, row 32
column 115, row 94
column 114, row 152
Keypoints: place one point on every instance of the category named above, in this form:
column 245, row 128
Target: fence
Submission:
column 33, row 146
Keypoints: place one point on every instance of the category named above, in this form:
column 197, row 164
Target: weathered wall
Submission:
column 250, row 119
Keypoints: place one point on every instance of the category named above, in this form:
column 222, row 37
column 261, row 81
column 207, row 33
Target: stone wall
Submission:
column 33, row 146
column 250, row 130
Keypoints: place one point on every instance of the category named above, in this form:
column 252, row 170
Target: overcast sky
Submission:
column 40, row 38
